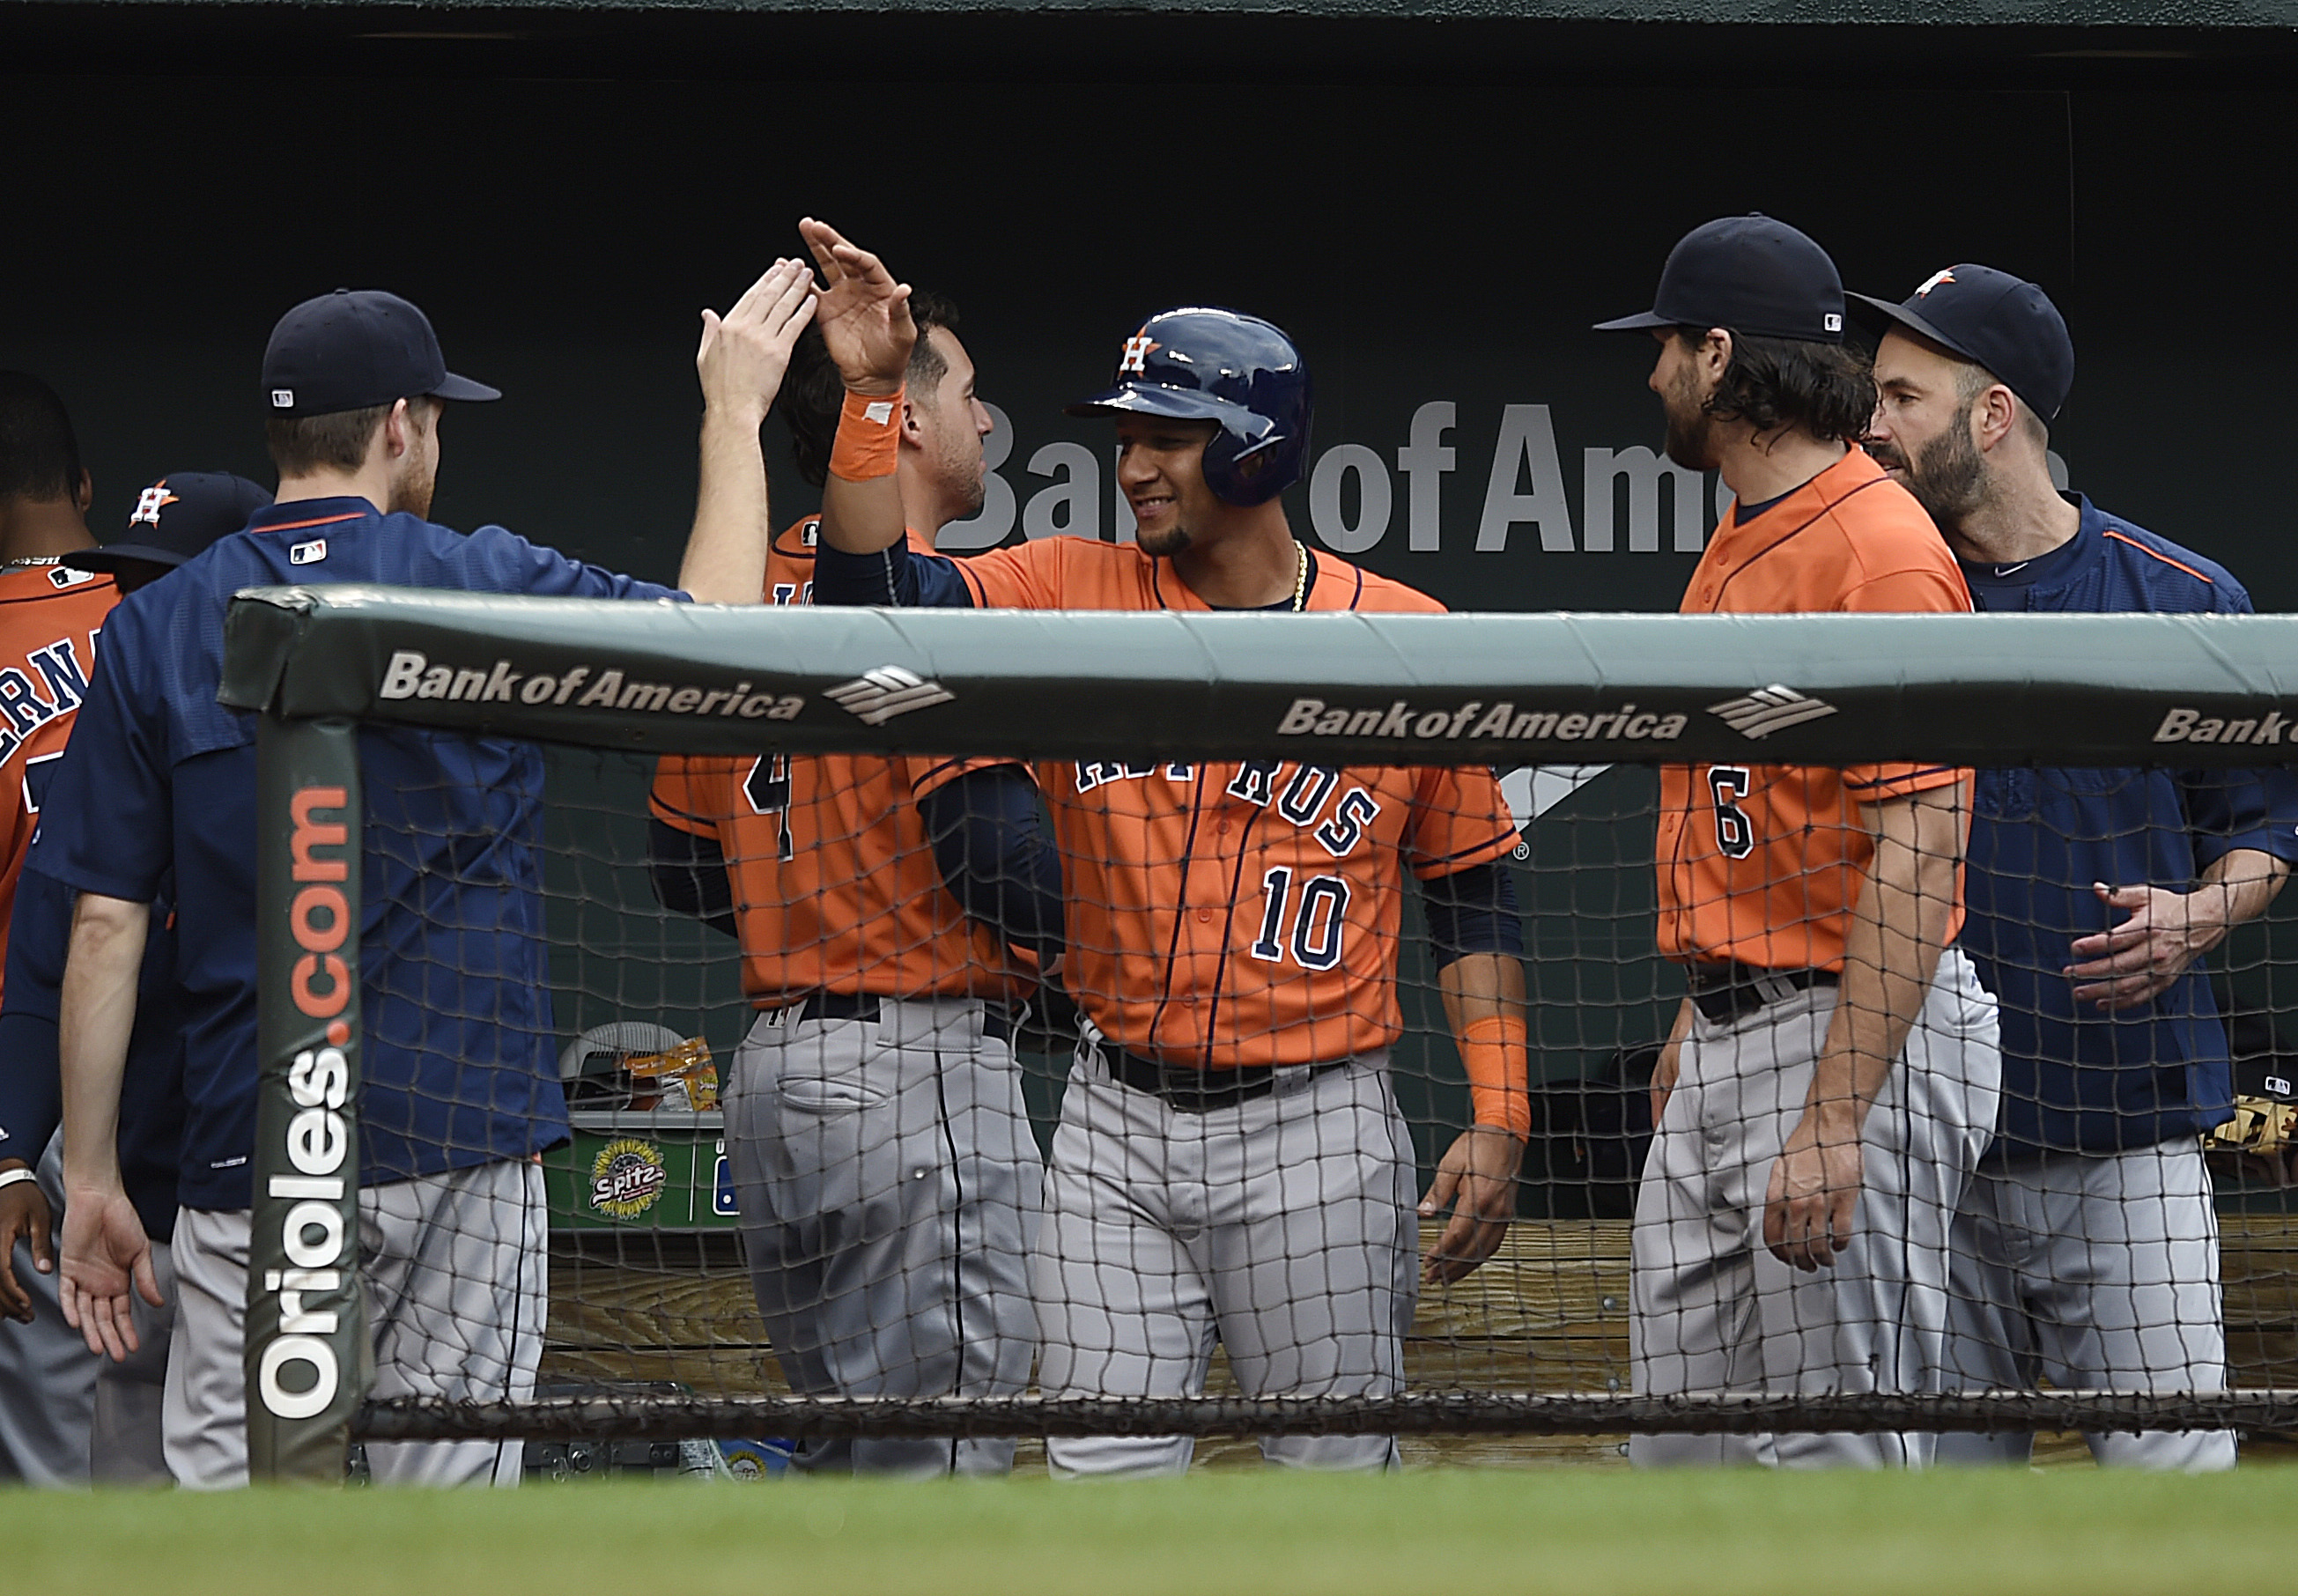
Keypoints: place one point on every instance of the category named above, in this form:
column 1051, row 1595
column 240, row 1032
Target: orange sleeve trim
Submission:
column 2156, row 554
column 1496, row 1051
column 299, row 526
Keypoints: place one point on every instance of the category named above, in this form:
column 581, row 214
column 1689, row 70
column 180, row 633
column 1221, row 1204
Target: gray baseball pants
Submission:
column 1281, row 1227
column 1712, row 1311
column 67, row 1415
column 127, row 1444
column 47, row 1374
column 890, row 1189
column 456, row 1268
column 2095, row 1272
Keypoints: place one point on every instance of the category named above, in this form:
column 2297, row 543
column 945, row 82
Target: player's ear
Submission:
column 398, row 430
column 914, row 431
column 84, row 495
column 1996, row 416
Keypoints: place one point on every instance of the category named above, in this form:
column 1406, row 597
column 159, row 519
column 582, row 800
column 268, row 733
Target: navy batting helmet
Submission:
column 1210, row 365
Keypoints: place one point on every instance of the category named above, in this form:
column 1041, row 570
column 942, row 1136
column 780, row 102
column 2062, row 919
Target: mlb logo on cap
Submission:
column 1753, row 274
column 356, row 348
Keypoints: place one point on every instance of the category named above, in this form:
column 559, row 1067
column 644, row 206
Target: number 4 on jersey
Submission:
column 768, row 784
column 768, row 789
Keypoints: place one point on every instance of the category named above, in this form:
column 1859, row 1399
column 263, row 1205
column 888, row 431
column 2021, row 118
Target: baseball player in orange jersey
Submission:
column 173, row 519
column 1231, row 1165
column 888, row 1182
column 1831, row 1082
column 49, row 616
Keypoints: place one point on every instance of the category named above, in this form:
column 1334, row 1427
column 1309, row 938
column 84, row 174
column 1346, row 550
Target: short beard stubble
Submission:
column 1165, row 545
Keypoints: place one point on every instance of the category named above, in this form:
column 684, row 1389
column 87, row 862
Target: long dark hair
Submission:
column 1827, row 389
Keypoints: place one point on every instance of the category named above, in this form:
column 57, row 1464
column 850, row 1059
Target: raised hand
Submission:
column 864, row 314
column 745, row 353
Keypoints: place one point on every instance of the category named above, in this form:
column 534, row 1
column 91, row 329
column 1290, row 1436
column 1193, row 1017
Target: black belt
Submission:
column 997, row 1019
column 1724, row 992
column 1192, row 1090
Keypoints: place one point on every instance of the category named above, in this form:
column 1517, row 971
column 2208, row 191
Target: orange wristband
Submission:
column 869, row 443
column 1494, row 1050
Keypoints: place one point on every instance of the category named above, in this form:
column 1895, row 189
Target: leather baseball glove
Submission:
column 2260, row 1126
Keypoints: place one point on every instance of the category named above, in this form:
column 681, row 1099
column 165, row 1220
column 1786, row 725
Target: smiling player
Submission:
column 1230, row 1161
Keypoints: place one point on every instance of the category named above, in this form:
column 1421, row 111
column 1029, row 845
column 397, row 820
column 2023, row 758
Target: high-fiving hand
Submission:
column 746, row 351
column 864, row 314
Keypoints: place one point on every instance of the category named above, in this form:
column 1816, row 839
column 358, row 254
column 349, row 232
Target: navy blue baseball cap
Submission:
column 355, row 348
column 1749, row 274
column 1993, row 320
column 174, row 518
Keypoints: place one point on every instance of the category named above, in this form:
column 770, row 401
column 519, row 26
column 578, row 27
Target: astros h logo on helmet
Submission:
column 1933, row 281
column 1139, row 348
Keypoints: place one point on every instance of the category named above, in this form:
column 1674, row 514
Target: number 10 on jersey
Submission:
column 1317, row 920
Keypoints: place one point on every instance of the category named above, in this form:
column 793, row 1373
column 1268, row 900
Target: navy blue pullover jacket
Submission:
column 2076, row 1079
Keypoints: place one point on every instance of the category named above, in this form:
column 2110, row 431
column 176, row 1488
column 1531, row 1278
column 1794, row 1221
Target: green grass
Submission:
column 1439, row 1533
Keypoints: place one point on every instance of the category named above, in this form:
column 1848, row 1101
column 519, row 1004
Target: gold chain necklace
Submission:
column 1300, row 578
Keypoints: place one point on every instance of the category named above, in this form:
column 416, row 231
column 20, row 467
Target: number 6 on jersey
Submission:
column 1735, row 833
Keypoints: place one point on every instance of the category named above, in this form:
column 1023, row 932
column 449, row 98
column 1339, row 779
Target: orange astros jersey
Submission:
column 835, row 884
column 1762, row 863
column 49, row 619
column 1228, row 914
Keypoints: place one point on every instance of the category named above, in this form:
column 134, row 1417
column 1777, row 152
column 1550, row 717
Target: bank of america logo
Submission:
column 1770, row 709
column 879, row 696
